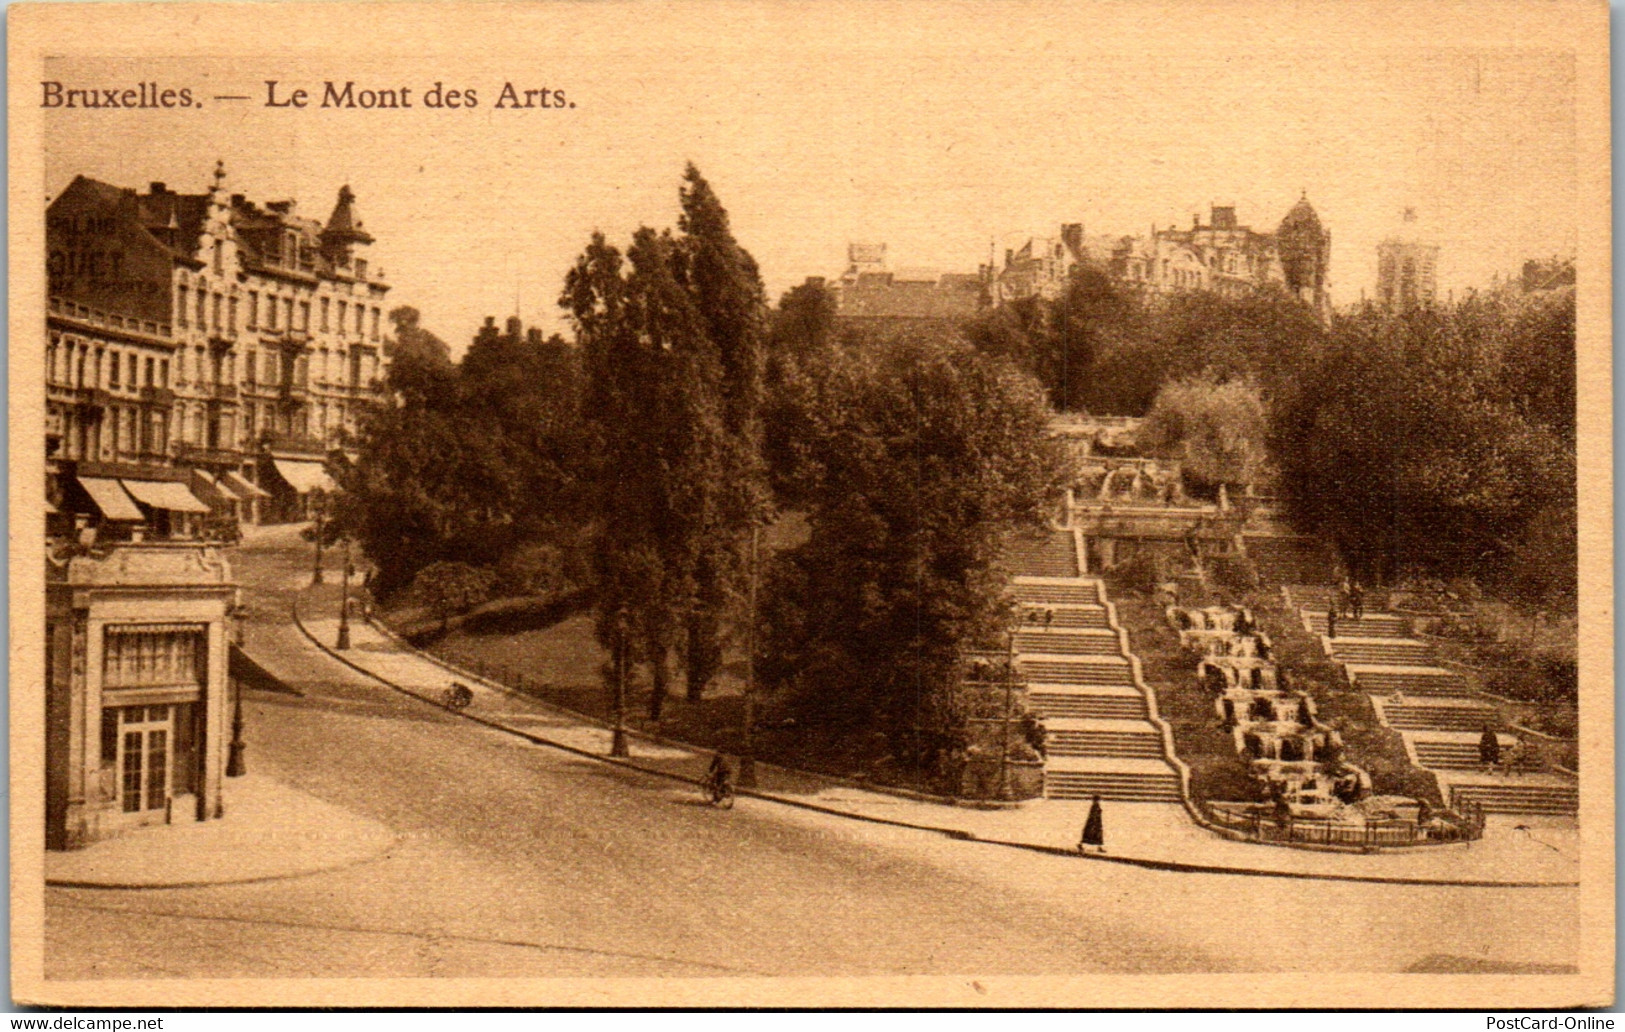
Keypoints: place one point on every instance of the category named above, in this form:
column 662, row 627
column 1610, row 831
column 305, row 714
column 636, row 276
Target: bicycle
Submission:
column 719, row 790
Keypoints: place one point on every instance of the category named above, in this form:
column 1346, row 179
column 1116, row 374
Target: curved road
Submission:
column 518, row 860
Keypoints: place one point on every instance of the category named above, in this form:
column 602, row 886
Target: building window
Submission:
column 360, row 320
column 304, row 316
column 232, row 325
column 163, row 372
column 253, row 309
column 112, row 371
column 134, row 368
column 151, row 366
column 270, row 312
column 270, row 369
column 180, row 304
column 251, row 367
column 360, row 269
column 344, row 312
column 219, row 259
column 202, row 306
column 375, row 324
column 287, row 312
column 325, row 306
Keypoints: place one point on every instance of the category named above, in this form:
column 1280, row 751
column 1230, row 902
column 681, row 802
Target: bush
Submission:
column 449, row 588
column 1236, row 573
column 1140, row 574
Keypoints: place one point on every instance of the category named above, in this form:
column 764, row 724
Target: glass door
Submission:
column 146, row 743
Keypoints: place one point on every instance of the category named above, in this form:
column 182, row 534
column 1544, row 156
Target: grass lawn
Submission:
column 562, row 665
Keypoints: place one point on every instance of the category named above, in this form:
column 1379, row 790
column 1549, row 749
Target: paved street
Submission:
column 518, row 860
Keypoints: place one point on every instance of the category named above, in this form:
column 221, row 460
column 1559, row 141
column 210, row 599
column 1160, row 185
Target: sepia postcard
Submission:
column 913, row 503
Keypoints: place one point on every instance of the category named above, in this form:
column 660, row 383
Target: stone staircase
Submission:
column 1435, row 710
column 1102, row 734
column 1381, row 651
column 1533, row 795
column 1408, row 681
column 1459, row 752
column 1441, row 713
column 1370, row 625
column 1070, row 641
column 1043, row 555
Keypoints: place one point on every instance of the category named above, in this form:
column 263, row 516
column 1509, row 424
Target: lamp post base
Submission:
column 617, row 743
column 344, row 637
column 235, row 766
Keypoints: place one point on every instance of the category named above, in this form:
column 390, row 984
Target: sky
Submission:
column 944, row 131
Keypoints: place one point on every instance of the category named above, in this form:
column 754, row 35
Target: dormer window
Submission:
column 290, row 252
column 360, row 268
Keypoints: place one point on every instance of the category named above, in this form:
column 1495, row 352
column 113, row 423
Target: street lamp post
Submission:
column 344, row 604
column 617, row 742
column 1004, row 723
column 747, row 748
column 236, row 766
column 321, row 511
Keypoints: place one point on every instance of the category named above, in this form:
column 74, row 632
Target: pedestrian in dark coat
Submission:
column 1331, row 620
column 1489, row 748
column 1094, row 830
column 1356, row 600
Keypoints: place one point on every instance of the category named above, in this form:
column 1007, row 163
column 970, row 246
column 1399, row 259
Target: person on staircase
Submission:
column 1094, row 830
column 1489, row 749
column 1356, row 601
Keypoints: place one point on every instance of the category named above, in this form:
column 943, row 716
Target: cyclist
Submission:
column 719, row 779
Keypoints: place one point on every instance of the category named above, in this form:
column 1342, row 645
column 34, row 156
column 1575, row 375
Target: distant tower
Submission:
column 1305, row 247
column 1407, row 269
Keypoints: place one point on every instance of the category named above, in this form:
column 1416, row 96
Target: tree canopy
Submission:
column 920, row 454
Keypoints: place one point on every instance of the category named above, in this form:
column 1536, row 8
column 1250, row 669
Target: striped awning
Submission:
column 235, row 483
column 304, row 477
column 111, row 498
column 164, row 494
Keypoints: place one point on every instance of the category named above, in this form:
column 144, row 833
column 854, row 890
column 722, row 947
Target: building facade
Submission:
column 1222, row 256
column 1407, row 269
column 136, row 688
column 204, row 340
column 868, row 293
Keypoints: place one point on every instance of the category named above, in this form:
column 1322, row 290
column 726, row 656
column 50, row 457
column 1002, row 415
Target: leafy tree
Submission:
column 1215, row 429
column 472, row 461
column 1539, row 368
column 673, row 338
column 725, row 286
column 1402, row 446
column 420, row 368
column 922, row 455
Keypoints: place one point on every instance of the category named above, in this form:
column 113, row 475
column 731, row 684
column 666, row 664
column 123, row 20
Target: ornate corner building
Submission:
column 1222, row 256
column 206, row 358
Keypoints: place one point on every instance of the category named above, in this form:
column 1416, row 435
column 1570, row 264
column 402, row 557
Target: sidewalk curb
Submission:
column 954, row 833
column 205, row 883
column 835, row 779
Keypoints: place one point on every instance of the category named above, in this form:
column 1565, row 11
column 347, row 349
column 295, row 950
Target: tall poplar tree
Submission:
column 672, row 339
column 726, row 288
